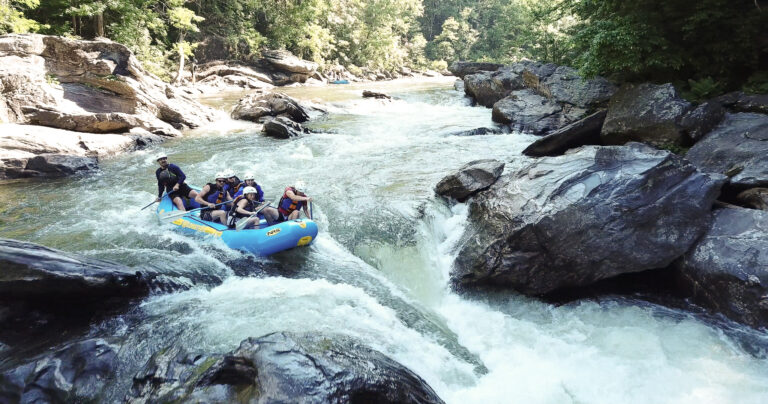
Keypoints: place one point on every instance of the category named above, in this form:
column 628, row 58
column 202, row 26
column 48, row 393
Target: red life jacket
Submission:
column 288, row 205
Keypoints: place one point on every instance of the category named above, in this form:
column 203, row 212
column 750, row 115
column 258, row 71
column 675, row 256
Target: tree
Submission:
column 183, row 19
column 12, row 18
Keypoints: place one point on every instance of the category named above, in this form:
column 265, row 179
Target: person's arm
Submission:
column 160, row 186
column 259, row 193
column 240, row 207
column 199, row 198
column 306, row 211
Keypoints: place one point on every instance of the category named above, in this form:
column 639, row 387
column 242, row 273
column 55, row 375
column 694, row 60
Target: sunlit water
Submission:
column 379, row 269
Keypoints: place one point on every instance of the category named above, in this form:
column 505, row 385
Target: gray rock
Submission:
column 489, row 87
column 470, row 179
column 461, row 69
column 647, row 113
column 255, row 106
column 33, row 151
column 702, row 119
column 592, row 214
column 76, row 373
column 480, row 131
column 527, row 111
column 740, row 102
column 113, row 122
column 577, row 134
column 58, row 165
column 377, row 95
column 283, row 128
column 739, row 147
column 285, row 61
column 727, row 270
column 282, row 368
column 754, row 198
column 565, row 85
column 37, row 273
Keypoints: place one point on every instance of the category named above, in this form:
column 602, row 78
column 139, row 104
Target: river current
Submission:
column 379, row 269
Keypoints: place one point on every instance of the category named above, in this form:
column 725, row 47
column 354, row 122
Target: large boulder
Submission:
column 647, row 113
column 592, row 214
column 31, row 272
column 77, row 372
column 255, row 106
column 285, row 61
column 528, row 111
column 727, row 269
column 224, row 70
column 87, row 77
column 283, row 128
column 489, row 87
column 34, row 151
column 580, row 133
column 281, row 368
column 565, row 85
column 461, row 69
column 470, row 179
column 702, row 119
column 739, row 147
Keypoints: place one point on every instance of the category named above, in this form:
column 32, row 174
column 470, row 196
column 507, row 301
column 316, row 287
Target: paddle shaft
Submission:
column 242, row 223
column 193, row 210
column 154, row 202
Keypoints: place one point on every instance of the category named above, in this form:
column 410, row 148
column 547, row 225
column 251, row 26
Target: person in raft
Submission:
column 293, row 201
column 170, row 179
column 269, row 213
column 243, row 207
column 212, row 194
column 234, row 183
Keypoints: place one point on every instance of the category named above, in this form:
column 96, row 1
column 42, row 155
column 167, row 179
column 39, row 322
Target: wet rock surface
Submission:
column 76, row 373
column 592, row 214
column 726, row 271
column 281, row 367
column 738, row 147
column 580, row 133
column 283, row 128
column 471, row 178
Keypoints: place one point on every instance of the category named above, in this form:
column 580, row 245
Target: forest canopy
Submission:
column 709, row 46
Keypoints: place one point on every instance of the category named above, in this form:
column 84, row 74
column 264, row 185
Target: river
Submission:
column 379, row 269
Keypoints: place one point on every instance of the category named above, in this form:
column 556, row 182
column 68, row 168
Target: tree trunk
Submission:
column 99, row 20
column 181, row 59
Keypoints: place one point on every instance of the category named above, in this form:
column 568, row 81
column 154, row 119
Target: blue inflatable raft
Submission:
column 262, row 241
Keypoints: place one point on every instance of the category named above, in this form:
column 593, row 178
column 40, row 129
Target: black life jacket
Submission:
column 214, row 197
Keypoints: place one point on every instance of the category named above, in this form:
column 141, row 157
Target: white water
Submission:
column 380, row 269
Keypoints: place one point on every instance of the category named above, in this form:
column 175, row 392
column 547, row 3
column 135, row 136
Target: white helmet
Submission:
column 249, row 176
column 249, row 190
column 221, row 174
column 161, row 156
column 299, row 186
column 229, row 173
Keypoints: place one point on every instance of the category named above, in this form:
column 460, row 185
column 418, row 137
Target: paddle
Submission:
column 174, row 215
column 311, row 215
column 244, row 222
column 154, row 202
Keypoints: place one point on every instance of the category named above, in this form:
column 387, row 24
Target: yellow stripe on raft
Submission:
column 197, row 227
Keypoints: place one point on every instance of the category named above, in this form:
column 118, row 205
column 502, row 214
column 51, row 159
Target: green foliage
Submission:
column 12, row 17
column 456, row 39
column 757, row 83
column 669, row 40
column 700, row 90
